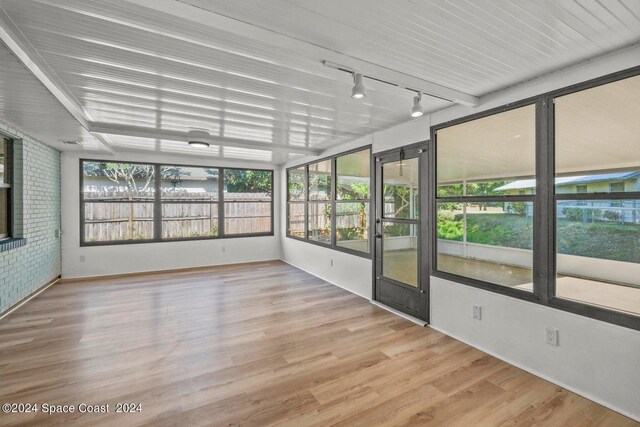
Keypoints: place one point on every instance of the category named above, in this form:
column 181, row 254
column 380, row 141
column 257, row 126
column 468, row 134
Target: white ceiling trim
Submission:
column 169, row 135
column 309, row 50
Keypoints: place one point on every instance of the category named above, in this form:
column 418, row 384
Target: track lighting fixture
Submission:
column 358, row 91
column 417, row 110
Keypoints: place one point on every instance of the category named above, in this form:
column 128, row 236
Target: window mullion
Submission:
column 306, row 202
column 543, row 212
column 157, row 204
column 221, row 232
column 334, row 196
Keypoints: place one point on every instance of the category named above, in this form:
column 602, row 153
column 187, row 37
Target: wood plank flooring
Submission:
column 257, row 344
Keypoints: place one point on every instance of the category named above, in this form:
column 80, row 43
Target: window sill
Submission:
column 8, row 244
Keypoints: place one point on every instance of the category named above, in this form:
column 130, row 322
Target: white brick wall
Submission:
column 37, row 195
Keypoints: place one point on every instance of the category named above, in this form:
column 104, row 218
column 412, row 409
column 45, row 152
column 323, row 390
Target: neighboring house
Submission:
column 601, row 183
column 627, row 211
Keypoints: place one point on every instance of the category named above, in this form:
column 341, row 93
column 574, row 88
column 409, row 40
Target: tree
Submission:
column 136, row 178
column 483, row 189
column 247, row 181
column 296, row 184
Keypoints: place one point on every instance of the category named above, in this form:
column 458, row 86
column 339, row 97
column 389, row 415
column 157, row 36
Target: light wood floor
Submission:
column 260, row 344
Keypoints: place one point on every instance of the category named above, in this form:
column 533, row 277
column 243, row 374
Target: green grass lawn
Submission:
column 595, row 240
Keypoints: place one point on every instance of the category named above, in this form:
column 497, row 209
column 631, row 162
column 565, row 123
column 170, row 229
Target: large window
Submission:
column 353, row 179
column 328, row 202
column 485, row 194
column 5, row 188
column 579, row 249
column 190, row 198
column 597, row 186
column 247, row 201
column 136, row 202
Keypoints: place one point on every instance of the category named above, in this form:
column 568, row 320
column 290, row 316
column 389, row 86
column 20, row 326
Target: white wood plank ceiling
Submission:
column 27, row 105
column 139, row 74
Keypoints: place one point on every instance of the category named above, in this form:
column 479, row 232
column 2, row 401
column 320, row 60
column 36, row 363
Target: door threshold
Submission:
column 399, row 313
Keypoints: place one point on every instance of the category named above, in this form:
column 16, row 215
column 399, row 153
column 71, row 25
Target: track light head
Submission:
column 417, row 110
column 358, row 91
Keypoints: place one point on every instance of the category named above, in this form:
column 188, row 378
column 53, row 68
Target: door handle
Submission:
column 378, row 236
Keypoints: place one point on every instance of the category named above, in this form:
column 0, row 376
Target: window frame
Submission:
column 333, row 201
column 158, row 203
column 435, row 200
column 9, row 187
column 546, row 198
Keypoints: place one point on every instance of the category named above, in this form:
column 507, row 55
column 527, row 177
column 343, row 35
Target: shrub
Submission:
column 350, row 233
column 572, row 214
column 519, row 208
column 449, row 227
column 611, row 215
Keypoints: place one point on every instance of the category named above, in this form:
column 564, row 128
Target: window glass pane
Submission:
column 352, row 226
column 296, row 179
column 451, row 190
column 185, row 220
column 247, row 217
column 186, row 183
column 247, row 198
column 4, row 162
column 118, row 181
column 4, row 212
column 319, row 223
column 353, row 175
column 491, row 242
column 401, row 192
column 296, row 219
column 598, row 260
column 320, row 181
column 597, row 139
column 493, row 155
column 247, row 185
column 400, row 252
column 117, row 221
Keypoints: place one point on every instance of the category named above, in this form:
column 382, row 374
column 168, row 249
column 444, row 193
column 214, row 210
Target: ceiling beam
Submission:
column 170, row 135
column 305, row 49
column 18, row 43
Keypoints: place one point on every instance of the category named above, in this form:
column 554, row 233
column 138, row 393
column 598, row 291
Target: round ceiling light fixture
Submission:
column 199, row 144
column 198, row 138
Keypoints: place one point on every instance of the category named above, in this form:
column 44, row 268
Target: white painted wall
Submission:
column 596, row 359
column 120, row 259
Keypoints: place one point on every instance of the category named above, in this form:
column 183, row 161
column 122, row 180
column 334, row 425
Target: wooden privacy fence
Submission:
column 123, row 220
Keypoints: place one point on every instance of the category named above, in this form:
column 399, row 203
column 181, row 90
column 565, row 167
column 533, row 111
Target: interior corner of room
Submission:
column 228, row 185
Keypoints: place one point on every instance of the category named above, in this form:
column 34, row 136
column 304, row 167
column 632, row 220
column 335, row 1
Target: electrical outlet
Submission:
column 223, row 249
column 83, row 258
column 331, row 263
column 57, row 233
column 477, row 312
column 551, row 336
